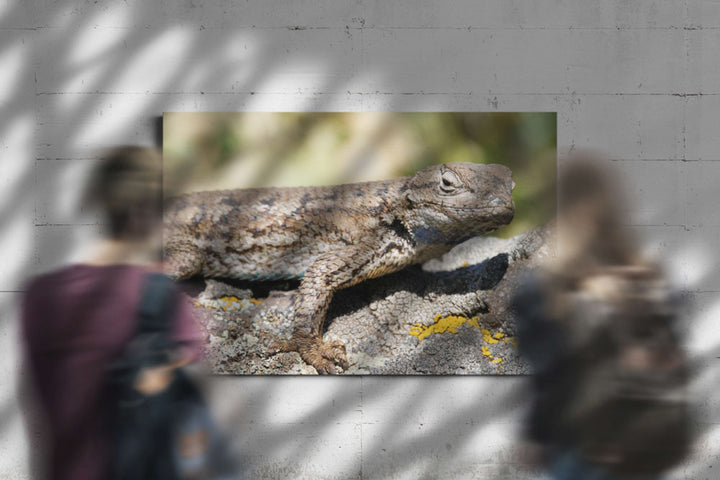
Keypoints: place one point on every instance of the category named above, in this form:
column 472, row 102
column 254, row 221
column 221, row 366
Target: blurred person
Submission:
column 79, row 320
column 597, row 324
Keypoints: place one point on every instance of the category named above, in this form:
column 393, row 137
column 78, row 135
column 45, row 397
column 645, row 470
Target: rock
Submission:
column 448, row 316
column 215, row 289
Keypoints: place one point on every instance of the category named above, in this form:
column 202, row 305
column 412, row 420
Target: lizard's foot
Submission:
column 331, row 355
column 324, row 356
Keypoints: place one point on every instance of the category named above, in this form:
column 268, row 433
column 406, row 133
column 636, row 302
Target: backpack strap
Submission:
column 156, row 305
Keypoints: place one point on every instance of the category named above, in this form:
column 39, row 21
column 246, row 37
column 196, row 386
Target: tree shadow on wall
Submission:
column 68, row 99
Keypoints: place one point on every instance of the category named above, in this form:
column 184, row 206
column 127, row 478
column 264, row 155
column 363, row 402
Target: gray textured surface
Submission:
column 639, row 80
column 469, row 287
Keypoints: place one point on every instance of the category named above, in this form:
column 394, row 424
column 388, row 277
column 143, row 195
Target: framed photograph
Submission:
column 357, row 243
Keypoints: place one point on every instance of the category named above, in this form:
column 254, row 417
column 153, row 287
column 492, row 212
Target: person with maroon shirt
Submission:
column 78, row 320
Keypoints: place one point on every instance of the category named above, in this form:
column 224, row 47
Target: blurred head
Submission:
column 590, row 232
column 127, row 187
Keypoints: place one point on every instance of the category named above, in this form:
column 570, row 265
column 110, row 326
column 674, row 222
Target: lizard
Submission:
column 332, row 237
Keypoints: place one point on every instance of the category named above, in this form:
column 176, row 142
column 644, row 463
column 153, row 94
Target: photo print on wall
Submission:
column 357, row 243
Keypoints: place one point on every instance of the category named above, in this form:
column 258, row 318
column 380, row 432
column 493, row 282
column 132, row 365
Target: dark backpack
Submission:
column 169, row 435
column 619, row 377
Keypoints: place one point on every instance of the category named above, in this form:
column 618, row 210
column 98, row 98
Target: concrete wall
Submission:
column 639, row 80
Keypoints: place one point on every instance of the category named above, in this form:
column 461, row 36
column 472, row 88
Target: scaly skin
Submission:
column 333, row 237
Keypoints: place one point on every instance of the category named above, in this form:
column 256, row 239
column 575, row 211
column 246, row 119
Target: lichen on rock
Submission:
column 448, row 316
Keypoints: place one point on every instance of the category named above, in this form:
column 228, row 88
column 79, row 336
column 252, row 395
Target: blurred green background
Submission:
column 210, row 151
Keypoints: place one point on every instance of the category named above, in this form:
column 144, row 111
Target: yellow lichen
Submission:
column 487, row 337
column 198, row 304
column 228, row 301
column 448, row 324
column 451, row 323
column 420, row 331
column 442, row 324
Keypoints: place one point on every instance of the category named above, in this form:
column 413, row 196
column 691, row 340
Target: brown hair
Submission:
column 127, row 186
column 591, row 203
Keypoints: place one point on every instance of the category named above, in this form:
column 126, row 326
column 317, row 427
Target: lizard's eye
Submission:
column 449, row 182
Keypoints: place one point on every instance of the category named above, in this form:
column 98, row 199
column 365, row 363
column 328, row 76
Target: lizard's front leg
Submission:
column 329, row 273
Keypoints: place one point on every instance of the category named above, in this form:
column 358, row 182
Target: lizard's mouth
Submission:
column 499, row 210
column 492, row 216
column 504, row 215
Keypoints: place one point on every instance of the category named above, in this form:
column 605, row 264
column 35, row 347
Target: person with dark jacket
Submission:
column 596, row 323
column 78, row 320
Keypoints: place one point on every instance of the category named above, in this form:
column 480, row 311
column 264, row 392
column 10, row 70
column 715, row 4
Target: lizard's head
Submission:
column 455, row 201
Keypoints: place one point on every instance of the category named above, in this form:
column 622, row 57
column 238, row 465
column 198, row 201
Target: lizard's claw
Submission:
column 334, row 350
column 325, row 356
